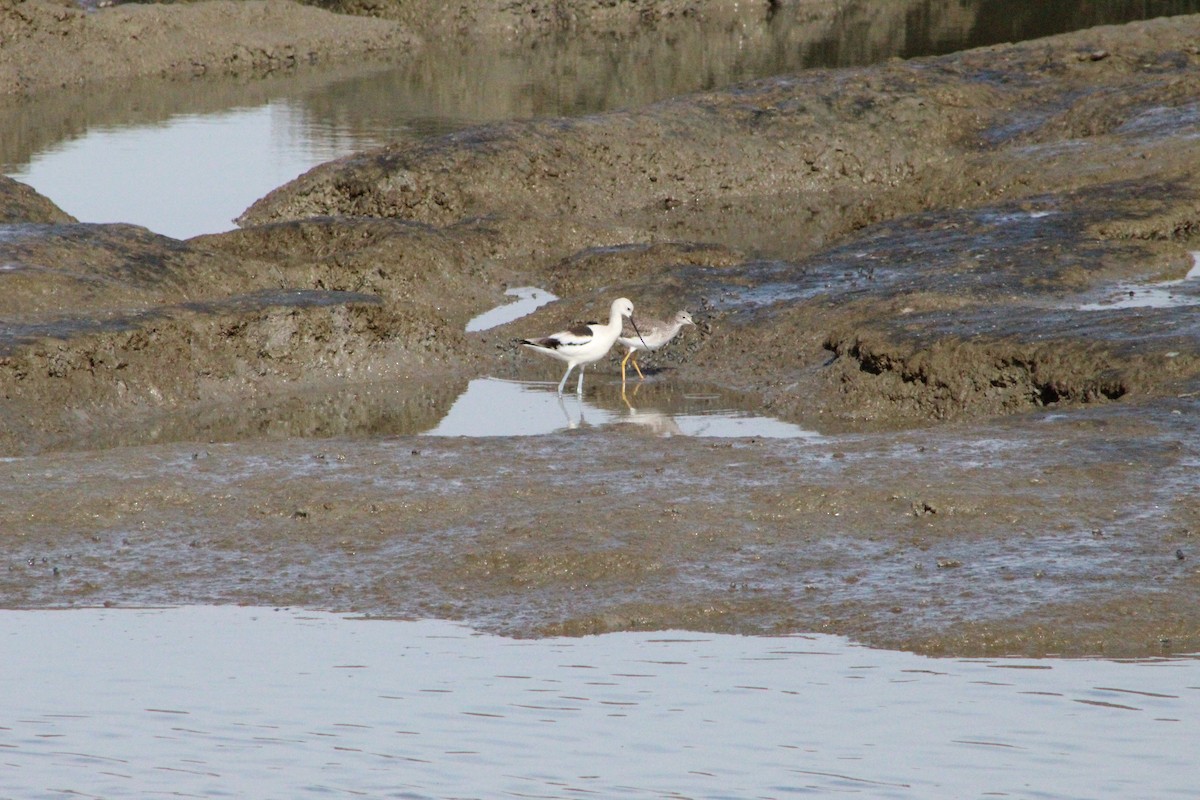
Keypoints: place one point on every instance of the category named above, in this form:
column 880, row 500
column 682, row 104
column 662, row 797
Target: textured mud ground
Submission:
column 1033, row 534
column 921, row 261
column 51, row 44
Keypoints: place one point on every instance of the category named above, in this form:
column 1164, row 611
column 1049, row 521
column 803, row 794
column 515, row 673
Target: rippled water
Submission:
column 245, row 702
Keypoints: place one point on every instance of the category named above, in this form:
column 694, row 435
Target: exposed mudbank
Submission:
column 19, row 203
column 182, row 40
column 848, row 238
column 898, row 256
column 1030, row 534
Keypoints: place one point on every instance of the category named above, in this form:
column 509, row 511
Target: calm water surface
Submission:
column 187, row 158
column 496, row 407
column 1163, row 294
column 244, row 702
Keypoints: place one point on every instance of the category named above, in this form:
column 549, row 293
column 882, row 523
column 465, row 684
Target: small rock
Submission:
column 948, row 563
column 920, row 508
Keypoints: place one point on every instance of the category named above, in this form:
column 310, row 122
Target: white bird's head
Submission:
column 624, row 307
column 683, row 318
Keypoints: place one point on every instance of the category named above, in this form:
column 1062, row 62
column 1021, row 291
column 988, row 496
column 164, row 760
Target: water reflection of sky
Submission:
column 189, row 175
column 528, row 299
column 1163, row 294
column 495, row 407
column 248, row 702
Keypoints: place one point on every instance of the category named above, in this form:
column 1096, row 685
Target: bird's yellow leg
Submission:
column 624, row 361
column 635, row 364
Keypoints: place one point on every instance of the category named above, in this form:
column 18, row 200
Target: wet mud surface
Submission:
column 176, row 41
column 1031, row 534
column 913, row 260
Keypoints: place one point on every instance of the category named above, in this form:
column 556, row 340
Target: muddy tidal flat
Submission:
column 941, row 396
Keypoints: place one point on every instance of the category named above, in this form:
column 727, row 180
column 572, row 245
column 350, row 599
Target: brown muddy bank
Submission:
column 538, row 19
column 1034, row 534
column 54, row 44
column 120, row 40
column 964, row 205
column 921, row 260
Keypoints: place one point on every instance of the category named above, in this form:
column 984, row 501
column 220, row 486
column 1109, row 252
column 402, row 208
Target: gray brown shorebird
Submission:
column 653, row 335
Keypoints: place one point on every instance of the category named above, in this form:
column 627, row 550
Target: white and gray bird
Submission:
column 581, row 345
column 652, row 335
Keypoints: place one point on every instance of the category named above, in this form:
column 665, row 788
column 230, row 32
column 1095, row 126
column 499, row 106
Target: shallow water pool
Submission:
column 1163, row 294
column 495, row 407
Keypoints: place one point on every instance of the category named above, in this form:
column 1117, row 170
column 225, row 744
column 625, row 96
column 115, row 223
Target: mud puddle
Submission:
column 260, row 702
column 194, row 172
column 1163, row 294
column 528, row 299
column 495, row 407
